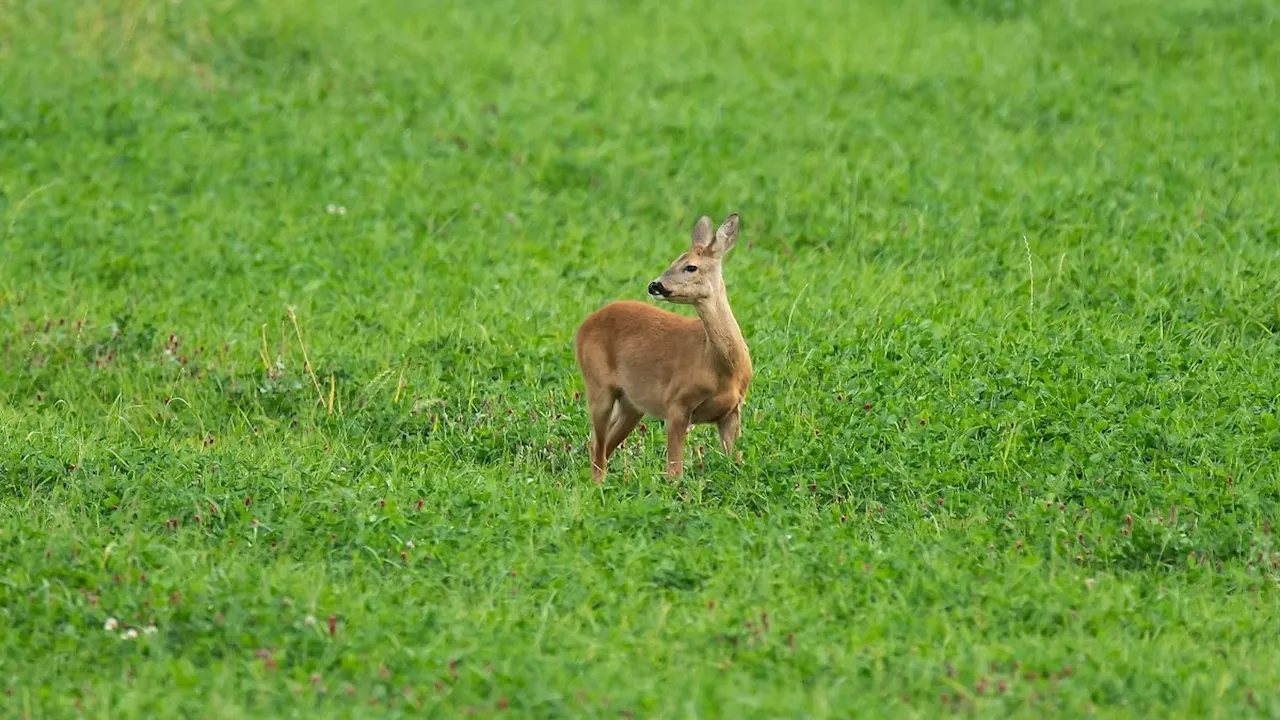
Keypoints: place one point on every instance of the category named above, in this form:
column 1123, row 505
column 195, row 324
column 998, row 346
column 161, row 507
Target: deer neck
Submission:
column 725, row 344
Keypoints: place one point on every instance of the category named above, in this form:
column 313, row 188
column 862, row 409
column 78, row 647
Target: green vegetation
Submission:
column 1009, row 275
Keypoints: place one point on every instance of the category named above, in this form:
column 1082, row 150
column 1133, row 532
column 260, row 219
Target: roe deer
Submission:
column 637, row 359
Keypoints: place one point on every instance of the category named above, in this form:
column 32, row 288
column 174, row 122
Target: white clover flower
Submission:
column 111, row 624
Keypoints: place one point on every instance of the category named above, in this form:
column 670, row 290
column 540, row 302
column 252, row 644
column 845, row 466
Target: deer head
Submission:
column 695, row 275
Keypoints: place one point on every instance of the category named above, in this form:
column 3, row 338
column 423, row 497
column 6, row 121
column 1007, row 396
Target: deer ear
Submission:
column 702, row 237
column 727, row 235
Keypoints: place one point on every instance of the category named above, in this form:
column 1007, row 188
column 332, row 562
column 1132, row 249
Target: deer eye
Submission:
column 691, row 268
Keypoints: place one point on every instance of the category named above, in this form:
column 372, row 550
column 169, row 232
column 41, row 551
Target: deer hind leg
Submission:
column 730, row 427
column 624, row 420
column 600, row 402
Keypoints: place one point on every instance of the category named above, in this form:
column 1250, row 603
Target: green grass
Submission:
column 1009, row 275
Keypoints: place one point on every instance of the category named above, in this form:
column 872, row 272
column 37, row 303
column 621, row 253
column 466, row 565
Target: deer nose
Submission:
column 656, row 289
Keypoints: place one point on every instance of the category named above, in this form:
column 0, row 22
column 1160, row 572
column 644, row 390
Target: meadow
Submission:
column 290, row 424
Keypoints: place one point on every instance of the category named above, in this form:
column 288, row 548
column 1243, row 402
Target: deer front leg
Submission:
column 677, row 429
column 730, row 427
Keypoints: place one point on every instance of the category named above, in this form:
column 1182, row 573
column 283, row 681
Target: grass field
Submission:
column 1009, row 275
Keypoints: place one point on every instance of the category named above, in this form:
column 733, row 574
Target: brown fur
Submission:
column 637, row 359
